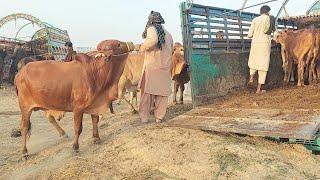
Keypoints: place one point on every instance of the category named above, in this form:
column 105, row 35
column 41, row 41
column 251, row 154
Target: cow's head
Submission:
column 109, row 48
column 281, row 36
column 178, row 49
column 219, row 35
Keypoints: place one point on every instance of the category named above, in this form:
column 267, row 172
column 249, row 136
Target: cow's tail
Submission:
column 15, row 82
column 16, row 89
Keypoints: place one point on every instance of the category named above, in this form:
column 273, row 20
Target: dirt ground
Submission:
column 130, row 150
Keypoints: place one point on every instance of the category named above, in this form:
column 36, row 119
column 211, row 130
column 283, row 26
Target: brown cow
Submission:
column 180, row 74
column 51, row 115
column 26, row 60
column 80, row 86
column 300, row 47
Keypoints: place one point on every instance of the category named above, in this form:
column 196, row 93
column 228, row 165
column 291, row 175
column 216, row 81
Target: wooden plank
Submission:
column 214, row 27
column 298, row 124
column 226, row 34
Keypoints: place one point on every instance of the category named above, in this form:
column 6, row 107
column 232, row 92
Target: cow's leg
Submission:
column 314, row 71
column 111, row 108
column 318, row 69
column 285, row 70
column 136, row 97
column 56, row 125
column 292, row 76
column 95, row 135
column 77, row 125
column 175, row 91
column 181, row 93
column 307, row 73
column 287, row 67
column 121, row 88
column 25, row 127
column 131, row 97
column 133, row 110
column 310, row 71
column 301, row 73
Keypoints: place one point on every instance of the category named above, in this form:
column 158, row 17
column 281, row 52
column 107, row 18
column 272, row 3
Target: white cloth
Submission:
column 262, row 75
column 160, row 104
column 259, row 58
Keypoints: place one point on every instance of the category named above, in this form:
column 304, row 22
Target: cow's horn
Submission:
column 100, row 55
column 130, row 46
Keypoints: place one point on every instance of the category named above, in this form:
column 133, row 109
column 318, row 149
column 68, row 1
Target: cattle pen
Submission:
column 218, row 67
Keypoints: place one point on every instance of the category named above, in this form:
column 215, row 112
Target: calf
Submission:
column 130, row 77
column 300, row 47
column 180, row 74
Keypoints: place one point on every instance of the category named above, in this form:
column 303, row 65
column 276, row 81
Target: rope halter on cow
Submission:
column 130, row 47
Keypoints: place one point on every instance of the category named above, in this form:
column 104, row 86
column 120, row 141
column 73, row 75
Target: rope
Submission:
column 117, row 55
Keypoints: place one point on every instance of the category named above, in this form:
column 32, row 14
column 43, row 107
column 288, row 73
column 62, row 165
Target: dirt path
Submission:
column 130, row 150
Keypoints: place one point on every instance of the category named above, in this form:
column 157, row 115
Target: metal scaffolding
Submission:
column 48, row 39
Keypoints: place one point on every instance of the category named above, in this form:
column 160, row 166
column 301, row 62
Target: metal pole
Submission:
column 284, row 3
column 250, row 6
column 243, row 6
column 21, row 29
column 308, row 12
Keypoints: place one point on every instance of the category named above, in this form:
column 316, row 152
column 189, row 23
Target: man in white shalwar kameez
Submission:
column 155, row 83
column 259, row 58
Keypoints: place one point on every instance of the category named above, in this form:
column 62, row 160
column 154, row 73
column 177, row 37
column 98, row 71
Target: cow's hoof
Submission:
column 15, row 133
column 25, row 156
column 96, row 141
column 134, row 111
column 75, row 147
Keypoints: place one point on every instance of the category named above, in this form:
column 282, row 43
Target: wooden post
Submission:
column 226, row 29
column 241, row 31
column 209, row 30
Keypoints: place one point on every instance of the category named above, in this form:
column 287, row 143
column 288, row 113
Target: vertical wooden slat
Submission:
column 209, row 29
column 225, row 20
column 241, row 31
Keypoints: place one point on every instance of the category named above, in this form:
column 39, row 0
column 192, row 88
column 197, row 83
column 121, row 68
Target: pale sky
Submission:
column 89, row 22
